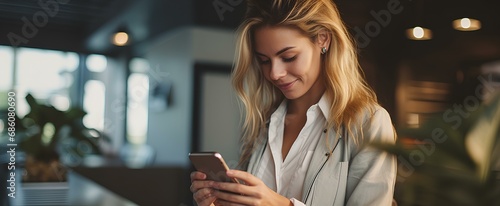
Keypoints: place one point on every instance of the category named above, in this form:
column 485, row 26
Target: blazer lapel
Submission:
column 318, row 160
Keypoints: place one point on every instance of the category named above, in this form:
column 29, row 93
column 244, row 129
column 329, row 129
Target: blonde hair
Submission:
column 346, row 88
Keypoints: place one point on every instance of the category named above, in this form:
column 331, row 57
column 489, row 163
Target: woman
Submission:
column 308, row 114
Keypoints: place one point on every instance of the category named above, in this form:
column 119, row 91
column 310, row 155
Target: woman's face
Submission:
column 289, row 60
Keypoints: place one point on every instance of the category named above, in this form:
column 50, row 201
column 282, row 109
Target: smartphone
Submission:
column 213, row 165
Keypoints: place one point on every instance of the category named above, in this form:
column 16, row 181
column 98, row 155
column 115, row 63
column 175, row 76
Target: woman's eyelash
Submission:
column 289, row 59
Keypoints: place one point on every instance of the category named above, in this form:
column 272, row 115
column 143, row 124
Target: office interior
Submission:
column 153, row 76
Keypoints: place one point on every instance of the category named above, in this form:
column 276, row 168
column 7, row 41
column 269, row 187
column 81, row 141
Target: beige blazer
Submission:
column 354, row 174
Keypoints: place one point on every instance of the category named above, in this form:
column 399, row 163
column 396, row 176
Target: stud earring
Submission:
column 323, row 50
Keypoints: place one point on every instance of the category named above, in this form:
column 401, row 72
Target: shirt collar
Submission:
column 323, row 104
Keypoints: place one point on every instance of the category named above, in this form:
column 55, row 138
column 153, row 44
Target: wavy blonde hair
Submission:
column 346, row 88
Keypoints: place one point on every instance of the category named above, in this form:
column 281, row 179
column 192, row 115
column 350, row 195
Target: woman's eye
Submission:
column 289, row 59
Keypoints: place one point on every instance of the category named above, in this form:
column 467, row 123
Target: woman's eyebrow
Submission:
column 277, row 53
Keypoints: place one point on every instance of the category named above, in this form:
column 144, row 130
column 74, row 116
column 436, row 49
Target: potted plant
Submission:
column 447, row 161
column 51, row 139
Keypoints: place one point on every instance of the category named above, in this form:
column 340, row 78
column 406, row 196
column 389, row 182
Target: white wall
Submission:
column 213, row 45
column 220, row 129
column 169, row 131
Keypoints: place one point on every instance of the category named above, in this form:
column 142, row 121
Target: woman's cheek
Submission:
column 298, row 67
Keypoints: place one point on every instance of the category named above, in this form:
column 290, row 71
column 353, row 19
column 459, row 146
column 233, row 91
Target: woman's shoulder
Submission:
column 372, row 122
column 373, row 113
column 376, row 125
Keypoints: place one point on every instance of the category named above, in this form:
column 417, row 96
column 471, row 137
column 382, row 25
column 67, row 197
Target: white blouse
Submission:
column 287, row 177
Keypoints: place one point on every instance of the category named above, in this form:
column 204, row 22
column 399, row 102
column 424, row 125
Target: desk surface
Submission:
column 145, row 186
column 111, row 184
column 77, row 191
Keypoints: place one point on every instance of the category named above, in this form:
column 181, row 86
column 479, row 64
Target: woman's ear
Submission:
column 323, row 39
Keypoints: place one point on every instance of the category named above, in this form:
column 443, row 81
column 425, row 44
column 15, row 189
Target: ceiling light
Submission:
column 419, row 33
column 466, row 24
column 120, row 38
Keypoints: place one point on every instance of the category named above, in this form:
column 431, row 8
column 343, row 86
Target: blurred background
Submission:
column 154, row 75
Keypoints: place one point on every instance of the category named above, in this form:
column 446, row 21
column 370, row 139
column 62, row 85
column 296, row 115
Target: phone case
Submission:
column 212, row 164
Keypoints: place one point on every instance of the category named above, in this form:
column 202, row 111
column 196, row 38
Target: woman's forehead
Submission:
column 274, row 38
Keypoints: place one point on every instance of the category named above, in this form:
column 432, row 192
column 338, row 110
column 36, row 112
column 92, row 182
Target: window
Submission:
column 96, row 63
column 6, row 68
column 137, row 106
column 47, row 75
column 66, row 79
column 94, row 104
column 6, row 74
column 94, row 92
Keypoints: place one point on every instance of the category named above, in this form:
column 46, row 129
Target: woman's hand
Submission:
column 203, row 193
column 254, row 192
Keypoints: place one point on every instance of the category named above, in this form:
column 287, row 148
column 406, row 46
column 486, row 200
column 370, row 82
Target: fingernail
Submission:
column 203, row 176
column 230, row 172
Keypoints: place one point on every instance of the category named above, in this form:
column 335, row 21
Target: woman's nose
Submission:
column 277, row 71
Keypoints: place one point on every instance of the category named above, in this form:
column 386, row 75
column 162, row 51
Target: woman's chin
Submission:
column 291, row 95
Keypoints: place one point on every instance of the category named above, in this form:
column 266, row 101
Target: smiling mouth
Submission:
column 287, row 85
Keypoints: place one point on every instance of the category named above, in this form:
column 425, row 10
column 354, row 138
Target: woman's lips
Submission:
column 286, row 86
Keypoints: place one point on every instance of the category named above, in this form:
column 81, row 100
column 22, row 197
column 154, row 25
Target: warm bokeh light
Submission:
column 466, row 24
column 120, row 39
column 413, row 120
column 419, row 33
